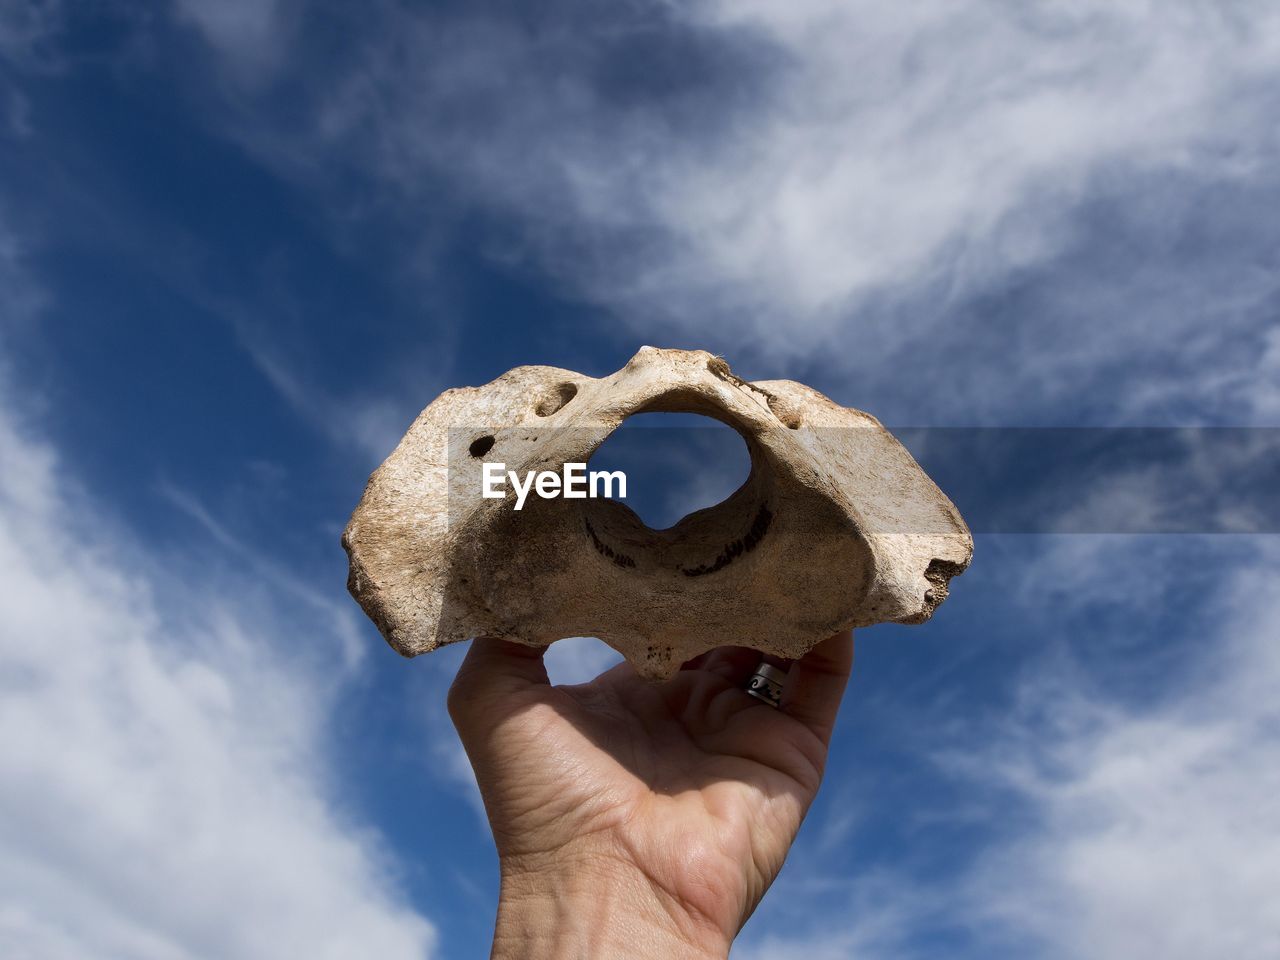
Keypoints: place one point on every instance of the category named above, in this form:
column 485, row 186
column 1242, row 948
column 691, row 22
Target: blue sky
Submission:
column 243, row 243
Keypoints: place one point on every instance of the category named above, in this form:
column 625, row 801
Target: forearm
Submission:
column 583, row 913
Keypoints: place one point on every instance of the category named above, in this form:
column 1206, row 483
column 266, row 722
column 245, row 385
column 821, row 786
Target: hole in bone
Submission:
column 554, row 401
column 782, row 410
column 480, row 446
column 675, row 463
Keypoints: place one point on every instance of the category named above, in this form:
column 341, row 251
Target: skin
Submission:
column 635, row 819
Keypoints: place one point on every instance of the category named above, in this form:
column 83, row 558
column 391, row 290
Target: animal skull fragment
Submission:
column 835, row 527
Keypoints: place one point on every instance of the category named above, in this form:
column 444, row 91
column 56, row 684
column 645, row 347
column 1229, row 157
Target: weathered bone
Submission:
column 836, row 526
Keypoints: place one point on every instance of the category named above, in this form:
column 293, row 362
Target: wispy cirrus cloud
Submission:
column 246, row 31
column 166, row 791
column 369, row 424
column 20, row 299
column 1153, row 826
column 963, row 212
column 1059, row 197
column 27, row 28
column 1122, row 803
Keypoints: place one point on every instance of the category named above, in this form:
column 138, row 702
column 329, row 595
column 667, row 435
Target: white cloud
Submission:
column 829, row 183
column 1157, row 829
column 371, row 425
column 20, row 300
column 1124, row 824
column 246, row 32
column 932, row 152
column 165, row 792
column 898, row 131
column 26, row 29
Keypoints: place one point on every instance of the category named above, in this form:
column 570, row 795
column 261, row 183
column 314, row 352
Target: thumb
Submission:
column 495, row 668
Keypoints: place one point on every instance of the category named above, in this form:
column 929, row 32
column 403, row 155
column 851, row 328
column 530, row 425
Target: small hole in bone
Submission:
column 783, row 412
column 480, row 446
column 556, row 399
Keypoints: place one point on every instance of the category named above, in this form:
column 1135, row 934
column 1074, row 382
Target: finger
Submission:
column 816, row 682
column 495, row 667
column 717, row 658
column 732, row 663
column 699, row 662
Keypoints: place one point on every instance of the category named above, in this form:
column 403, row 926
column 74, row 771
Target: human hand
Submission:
column 635, row 819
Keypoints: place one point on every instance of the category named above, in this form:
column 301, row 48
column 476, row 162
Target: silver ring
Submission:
column 766, row 684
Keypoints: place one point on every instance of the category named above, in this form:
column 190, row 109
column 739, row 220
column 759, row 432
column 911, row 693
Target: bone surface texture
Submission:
column 835, row 527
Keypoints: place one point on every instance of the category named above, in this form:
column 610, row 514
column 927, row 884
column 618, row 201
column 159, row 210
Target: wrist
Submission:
column 592, row 908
